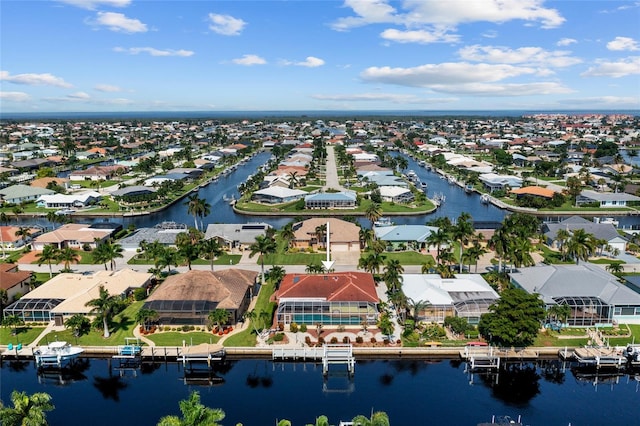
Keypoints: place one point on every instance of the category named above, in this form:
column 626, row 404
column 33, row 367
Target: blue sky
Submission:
column 126, row 55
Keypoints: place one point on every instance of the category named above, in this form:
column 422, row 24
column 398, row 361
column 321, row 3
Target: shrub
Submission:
column 185, row 328
column 139, row 294
column 303, row 328
column 359, row 339
column 346, row 339
column 334, row 340
column 341, row 328
column 167, row 328
column 307, row 340
column 321, row 340
column 293, row 327
column 279, row 337
column 373, row 340
column 280, row 326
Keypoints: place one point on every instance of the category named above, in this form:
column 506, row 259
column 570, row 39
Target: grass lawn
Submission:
column 121, row 327
column 292, row 258
column 405, row 257
column 225, row 259
column 25, row 335
column 247, row 338
column 605, row 261
column 175, row 338
column 552, row 257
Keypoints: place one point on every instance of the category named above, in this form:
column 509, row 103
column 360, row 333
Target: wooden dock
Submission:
column 596, row 357
column 204, row 352
column 328, row 354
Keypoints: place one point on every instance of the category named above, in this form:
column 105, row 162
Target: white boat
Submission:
column 383, row 221
column 56, row 354
column 610, row 220
column 484, row 198
column 423, row 185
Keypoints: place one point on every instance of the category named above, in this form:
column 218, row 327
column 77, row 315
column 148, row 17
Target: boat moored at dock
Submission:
column 56, row 354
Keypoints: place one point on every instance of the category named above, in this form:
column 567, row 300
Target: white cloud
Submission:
column 385, row 97
column 609, row 101
column 419, row 36
column 448, row 13
column 309, row 62
column 523, row 55
column 623, row 43
column 34, row 79
column 81, row 96
column 621, row 68
column 510, row 89
column 566, row 41
column 249, row 60
column 490, row 34
column 226, row 24
column 107, row 88
column 153, row 51
column 14, row 96
column 448, row 73
column 118, row 22
column 94, row 4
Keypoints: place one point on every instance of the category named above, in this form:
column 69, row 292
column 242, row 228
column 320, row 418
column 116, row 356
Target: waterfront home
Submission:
column 466, row 296
column 396, row 194
column 74, row 235
column 16, row 194
column 188, row 298
column 311, row 233
column 46, row 181
column 96, row 173
column 66, row 294
column 534, row 191
column 277, row 195
column 236, row 235
column 68, row 201
column 606, row 199
column 594, row 295
column 31, row 164
column 339, row 298
column 601, row 231
column 14, row 282
column 405, row 237
column 382, row 177
column 169, row 177
column 331, row 200
column 164, row 233
column 10, row 241
column 494, row 181
column 131, row 193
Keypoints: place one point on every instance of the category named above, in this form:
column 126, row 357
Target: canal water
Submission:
column 257, row 392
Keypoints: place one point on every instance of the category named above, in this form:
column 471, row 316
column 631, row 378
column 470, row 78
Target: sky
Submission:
column 271, row 55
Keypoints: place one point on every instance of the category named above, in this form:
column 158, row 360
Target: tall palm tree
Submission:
column 287, row 234
column 218, row 317
column 263, row 246
column 104, row 307
column 500, row 242
column 197, row 207
column 439, row 238
column 48, row 255
column 562, row 236
column 428, row 265
column 521, row 253
column 366, row 236
column 100, row 256
column 144, row 316
column 321, row 235
column 473, row 254
column 186, row 248
column 416, row 306
column 581, row 245
column 371, row 263
column 211, row 248
column 27, row 410
column 112, row 251
column 68, row 256
column 166, row 258
column 373, row 212
column 461, row 232
column 392, row 276
column 194, row 413
column 24, row 233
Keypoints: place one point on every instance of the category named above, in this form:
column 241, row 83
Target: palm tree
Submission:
column 428, row 265
column 100, row 256
column 392, row 276
column 501, row 243
column 461, row 231
column 371, row 263
column 48, row 255
column 276, row 274
column 562, row 236
column 211, row 248
column 78, row 323
column 4, row 299
column 24, row 233
column 521, row 253
column 13, row 321
column 293, row 179
column 197, row 207
column 366, row 237
column 112, row 251
column 68, row 256
column 263, row 246
column 194, row 413
column 615, row 268
column 321, row 235
column 186, row 248
column 28, row 410
column 166, row 258
column 473, row 254
column 416, row 306
column 379, row 418
column 144, row 316
column 287, row 234
column 217, row 317
column 581, row 245
column 438, row 238
column 444, row 271
column 104, row 307
column 373, row 212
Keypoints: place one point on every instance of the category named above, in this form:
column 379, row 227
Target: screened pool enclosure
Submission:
column 326, row 313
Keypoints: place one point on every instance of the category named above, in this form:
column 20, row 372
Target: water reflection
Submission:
column 517, row 383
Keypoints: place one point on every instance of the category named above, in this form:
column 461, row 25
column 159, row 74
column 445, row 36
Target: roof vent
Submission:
column 296, row 279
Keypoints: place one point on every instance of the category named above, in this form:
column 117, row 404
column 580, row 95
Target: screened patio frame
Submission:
column 311, row 312
column 29, row 310
column 586, row 311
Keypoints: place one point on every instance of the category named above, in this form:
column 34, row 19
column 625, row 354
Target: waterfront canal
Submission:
column 257, row 392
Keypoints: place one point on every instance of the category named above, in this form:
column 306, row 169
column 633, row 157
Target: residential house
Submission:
column 601, row 231
column 404, row 237
column 594, row 296
column 606, row 199
column 67, row 294
column 69, row 201
column 466, row 296
column 331, row 200
column 188, row 298
column 74, row 235
column 340, row 298
column 10, row 241
column 343, row 235
column 16, row 283
column 164, row 233
column 277, row 195
column 16, row 194
column 494, row 181
column 236, row 235
column 396, row 194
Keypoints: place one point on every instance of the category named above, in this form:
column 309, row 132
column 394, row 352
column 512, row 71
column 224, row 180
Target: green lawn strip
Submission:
column 176, row 338
column 247, row 338
column 607, row 261
column 405, row 257
column 292, row 258
column 25, row 335
column 551, row 256
column 121, row 327
column 222, row 260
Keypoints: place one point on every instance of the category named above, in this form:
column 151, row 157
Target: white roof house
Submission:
column 396, row 194
column 494, row 181
column 278, row 194
column 79, row 199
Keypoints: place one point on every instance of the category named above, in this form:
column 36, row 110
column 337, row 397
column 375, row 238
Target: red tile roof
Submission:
column 335, row 287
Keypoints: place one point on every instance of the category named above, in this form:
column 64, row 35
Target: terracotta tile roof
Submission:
column 43, row 182
column 10, row 279
column 8, row 233
column 73, row 232
column 534, row 190
column 337, row 287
